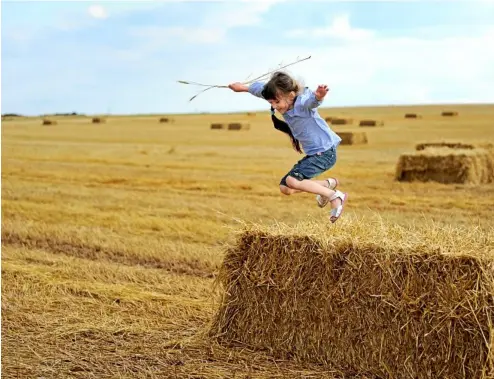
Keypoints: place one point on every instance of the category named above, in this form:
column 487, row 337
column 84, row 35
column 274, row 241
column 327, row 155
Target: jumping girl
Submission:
column 308, row 131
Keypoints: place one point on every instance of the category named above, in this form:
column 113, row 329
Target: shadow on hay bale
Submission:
column 371, row 123
column 361, row 301
column 447, row 165
column 353, row 138
column 412, row 115
column 49, row 122
column 98, row 120
column 341, row 121
column 449, row 113
column 216, row 126
column 238, row 126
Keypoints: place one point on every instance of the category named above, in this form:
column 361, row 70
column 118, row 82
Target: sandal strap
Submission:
column 337, row 194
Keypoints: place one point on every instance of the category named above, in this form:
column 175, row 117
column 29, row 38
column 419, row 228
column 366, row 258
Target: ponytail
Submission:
column 283, row 127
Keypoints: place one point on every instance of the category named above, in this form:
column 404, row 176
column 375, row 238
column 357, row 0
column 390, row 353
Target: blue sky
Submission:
column 125, row 57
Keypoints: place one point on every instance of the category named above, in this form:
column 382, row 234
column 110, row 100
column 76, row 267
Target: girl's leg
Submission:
column 317, row 187
column 290, row 191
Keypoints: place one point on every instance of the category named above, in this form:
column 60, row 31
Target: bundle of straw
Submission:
column 264, row 76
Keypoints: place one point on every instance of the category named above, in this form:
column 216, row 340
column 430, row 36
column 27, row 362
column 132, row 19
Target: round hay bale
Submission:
column 217, row 126
column 49, row 122
column 98, row 120
column 371, row 123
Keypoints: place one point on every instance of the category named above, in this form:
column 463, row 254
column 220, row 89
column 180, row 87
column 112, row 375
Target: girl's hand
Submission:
column 321, row 91
column 238, row 87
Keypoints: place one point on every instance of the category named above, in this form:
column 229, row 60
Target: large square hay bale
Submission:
column 412, row 115
column 446, row 165
column 449, row 113
column 371, row 123
column 374, row 300
column 217, row 126
column 166, row 120
column 98, row 120
column 49, row 122
column 341, row 121
column 451, row 145
column 352, row 138
column 238, row 126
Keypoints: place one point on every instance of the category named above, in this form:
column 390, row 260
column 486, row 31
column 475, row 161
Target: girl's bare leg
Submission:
column 316, row 187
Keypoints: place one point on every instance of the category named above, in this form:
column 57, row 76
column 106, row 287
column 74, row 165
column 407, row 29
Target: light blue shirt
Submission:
column 304, row 121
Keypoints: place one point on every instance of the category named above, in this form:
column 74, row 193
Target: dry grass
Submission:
column 112, row 237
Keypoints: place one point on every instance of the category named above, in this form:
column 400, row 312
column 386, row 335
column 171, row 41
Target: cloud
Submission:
column 97, row 11
column 339, row 28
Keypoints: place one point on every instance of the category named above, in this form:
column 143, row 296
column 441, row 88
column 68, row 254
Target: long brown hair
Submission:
column 281, row 84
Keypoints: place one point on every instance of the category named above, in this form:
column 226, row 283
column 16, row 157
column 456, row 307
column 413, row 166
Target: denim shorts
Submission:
column 311, row 166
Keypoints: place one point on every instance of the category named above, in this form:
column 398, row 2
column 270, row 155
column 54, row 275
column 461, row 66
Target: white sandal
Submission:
column 336, row 212
column 322, row 201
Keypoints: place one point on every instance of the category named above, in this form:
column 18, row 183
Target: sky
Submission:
column 125, row 57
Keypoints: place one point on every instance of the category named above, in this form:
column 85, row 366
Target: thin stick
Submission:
column 210, row 86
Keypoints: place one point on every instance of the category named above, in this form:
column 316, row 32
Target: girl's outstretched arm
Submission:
column 312, row 99
column 254, row 89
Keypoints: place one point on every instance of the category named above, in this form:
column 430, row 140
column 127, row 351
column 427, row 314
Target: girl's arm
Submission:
column 312, row 99
column 254, row 89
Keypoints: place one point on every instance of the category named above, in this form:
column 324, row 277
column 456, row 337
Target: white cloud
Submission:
column 97, row 11
column 339, row 28
column 157, row 36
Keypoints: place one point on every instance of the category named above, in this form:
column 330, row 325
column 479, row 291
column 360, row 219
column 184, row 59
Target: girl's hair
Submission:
column 282, row 84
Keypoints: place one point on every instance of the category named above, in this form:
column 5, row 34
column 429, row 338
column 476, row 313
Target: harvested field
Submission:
column 114, row 238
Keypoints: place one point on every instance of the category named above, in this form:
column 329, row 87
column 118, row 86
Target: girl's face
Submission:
column 283, row 102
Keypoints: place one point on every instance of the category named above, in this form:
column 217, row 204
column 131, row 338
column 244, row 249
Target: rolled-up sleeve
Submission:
column 308, row 99
column 256, row 89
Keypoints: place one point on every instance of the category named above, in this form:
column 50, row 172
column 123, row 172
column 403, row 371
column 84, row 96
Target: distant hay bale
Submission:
column 353, row 138
column 412, row 115
column 217, row 126
column 361, row 301
column 238, row 126
column 98, row 120
column 165, row 120
column 328, row 119
column 447, row 165
column 449, row 113
column 49, row 122
column 371, row 123
column 251, row 114
column 341, row 121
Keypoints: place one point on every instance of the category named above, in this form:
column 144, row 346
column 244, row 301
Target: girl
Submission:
column 305, row 127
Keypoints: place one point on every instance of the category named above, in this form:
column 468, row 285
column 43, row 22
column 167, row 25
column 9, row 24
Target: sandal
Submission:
column 336, row 212
column 322, row 201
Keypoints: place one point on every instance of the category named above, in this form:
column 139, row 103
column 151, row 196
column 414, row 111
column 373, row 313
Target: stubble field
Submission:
column 112, row 234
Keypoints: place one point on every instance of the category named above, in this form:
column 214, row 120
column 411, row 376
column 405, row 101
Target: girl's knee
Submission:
column 292, row 182
column 285, row 190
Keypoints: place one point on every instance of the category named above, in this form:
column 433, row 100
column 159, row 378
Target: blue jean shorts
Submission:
column 311, row 166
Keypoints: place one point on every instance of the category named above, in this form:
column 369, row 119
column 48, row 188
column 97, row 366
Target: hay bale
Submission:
column 412, row 115
column 361, row 301
column 371, row 123
column 49, row 122
column 165, row 120
column 328, row 119
column 449, row 113
column 451, row 145
column 238, row 126
column 446, row 165
column 251, row 114
column 98, row 120
column 341, row 121
column 352, row 138
column 217, row 126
